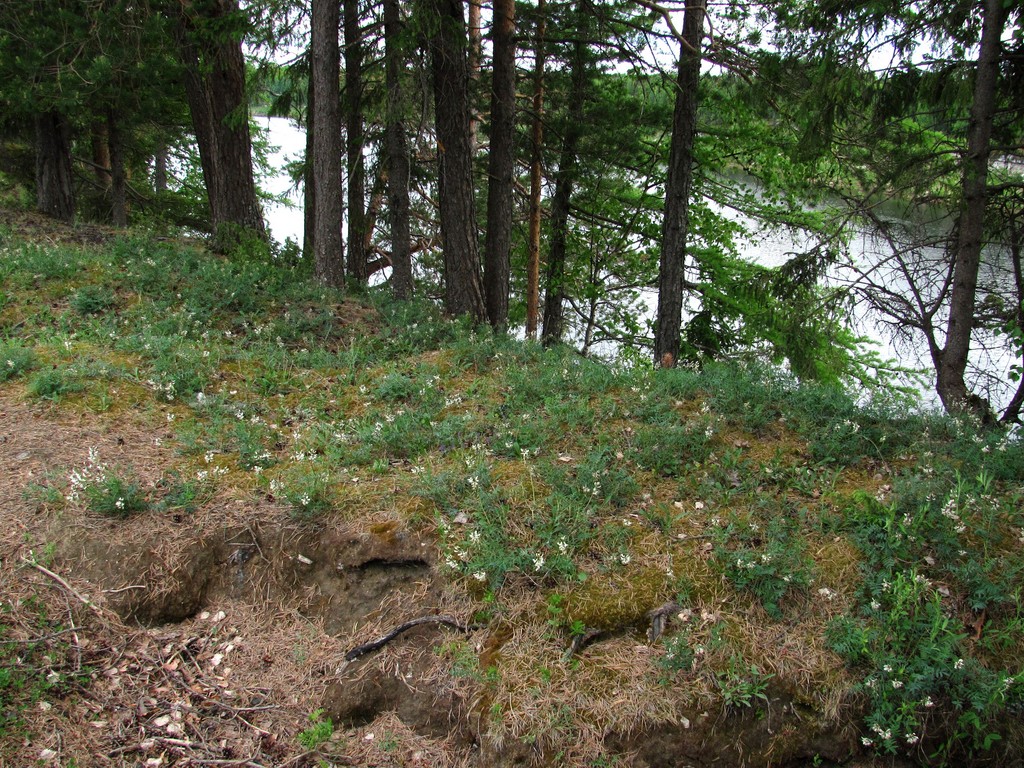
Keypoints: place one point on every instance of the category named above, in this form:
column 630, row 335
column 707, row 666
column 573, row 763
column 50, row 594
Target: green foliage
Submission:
column 318, row 733
column 182, row 494
column 768, row 562
column 306, row 486
column 15, row 360
column 104, row 490
column 742, row 685
column 920, row 679
column 92, row 300
column 679, row 656
column 668, row 449
column 53, row 384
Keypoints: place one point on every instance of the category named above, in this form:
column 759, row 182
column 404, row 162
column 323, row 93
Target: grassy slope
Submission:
column 865, row 559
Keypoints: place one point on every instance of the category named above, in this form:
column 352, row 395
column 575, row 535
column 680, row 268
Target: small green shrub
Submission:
column 768, row 564
column 679, row 656
column 104, row 491
column 319, row 732
column 91, row 300
column 53, row 384
column 15, row 360
column 920, row 678
column 742, row 685
column 306, row 487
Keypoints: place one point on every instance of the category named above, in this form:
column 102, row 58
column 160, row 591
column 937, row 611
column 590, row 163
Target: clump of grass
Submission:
column 53, row 384
column 104, row 490
column 15, row 360
column 306, row 487
column 92, row 300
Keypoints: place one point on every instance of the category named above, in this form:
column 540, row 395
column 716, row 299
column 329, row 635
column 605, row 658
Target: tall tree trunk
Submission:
column 501, row 165
column 118, row 174
column 475, row 34
column 215, row 89
column 398, row 155
column 325, row 69
column 554, row 295
column 160, row 169
column 308, row 186
column 55, row 190
column 449, row 69
column 676, row 222
column 354, row 144
column 950, row 383
column 536, row 180
column 101, row 153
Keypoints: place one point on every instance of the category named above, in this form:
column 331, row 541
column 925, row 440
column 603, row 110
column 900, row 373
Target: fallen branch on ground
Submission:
column 380, row 642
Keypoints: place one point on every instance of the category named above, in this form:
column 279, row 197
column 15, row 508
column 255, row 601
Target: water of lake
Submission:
column 769, row 248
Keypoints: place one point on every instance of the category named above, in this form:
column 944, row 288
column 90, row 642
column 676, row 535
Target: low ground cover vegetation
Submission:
column 858, row 555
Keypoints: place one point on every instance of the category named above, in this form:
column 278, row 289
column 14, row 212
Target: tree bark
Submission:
column 398, row 156
column 308, row 185
column 536, row 179
column 55, row 190
column 475, row 35
column 554, row 295
column 952, row 363
column 501, row 165
column 450, row 76
column 215, row 88
column 101, row 154
column 676, row 221
column 160, row 170
column 354, row 144
column 118, row 174
column 325, row 68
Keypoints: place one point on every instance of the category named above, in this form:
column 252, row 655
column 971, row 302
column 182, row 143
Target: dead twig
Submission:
column 380, row 642
column 71, row 590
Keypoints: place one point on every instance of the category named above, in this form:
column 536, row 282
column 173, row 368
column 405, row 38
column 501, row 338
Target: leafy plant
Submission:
column 104, row 491
column 306, row 486
column 679, row 656
column 768, row 563
column 319, row 732
column 742, row 685
column 91, row 300
column 919, row 677
column 15, row 360
column 52, row 384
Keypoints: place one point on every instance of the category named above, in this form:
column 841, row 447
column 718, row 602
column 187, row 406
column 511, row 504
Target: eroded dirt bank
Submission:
column 211, row 638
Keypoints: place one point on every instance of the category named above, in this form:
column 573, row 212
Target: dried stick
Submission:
column 71, row 590
column 380, row 642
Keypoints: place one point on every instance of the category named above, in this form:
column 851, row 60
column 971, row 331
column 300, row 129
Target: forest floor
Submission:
column 222, row 484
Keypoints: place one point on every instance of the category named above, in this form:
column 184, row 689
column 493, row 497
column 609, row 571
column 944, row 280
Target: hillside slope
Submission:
column 224, row 482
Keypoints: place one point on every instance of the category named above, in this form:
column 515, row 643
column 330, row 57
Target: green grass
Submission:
column 872, row 529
